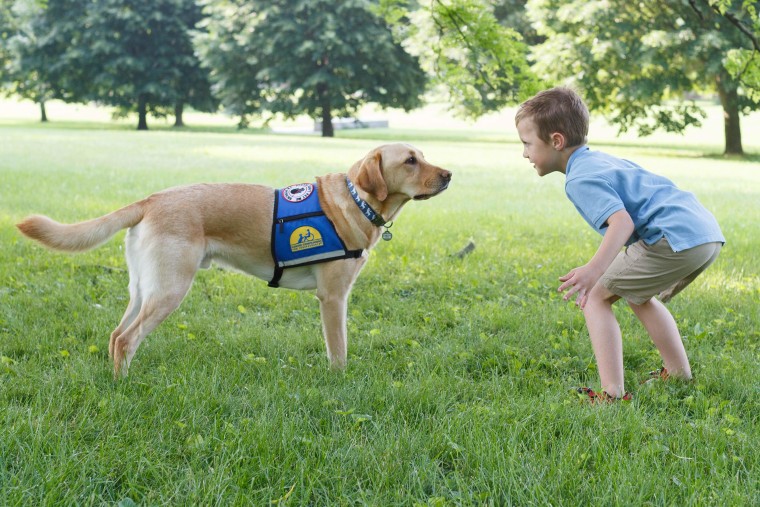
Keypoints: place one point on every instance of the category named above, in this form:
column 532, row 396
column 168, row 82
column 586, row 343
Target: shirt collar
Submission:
column 575, row 154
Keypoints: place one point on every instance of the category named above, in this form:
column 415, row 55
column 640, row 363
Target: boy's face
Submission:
column 544, row 156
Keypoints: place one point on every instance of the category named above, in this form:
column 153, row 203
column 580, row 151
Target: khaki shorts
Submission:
column 643, row 271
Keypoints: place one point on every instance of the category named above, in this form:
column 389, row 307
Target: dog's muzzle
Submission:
column 444, row 181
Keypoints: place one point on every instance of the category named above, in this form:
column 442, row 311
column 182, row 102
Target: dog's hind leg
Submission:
column 133, row 308
column 135, row 298
column 153, row 311
column 165, row 276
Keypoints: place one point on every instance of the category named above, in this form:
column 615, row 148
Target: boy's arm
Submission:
column 582, row 279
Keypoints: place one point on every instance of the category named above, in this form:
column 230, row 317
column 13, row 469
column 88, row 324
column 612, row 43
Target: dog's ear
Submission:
column 370, row 177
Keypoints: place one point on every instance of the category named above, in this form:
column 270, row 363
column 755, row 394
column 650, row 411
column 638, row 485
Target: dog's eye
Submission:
column 411, row 160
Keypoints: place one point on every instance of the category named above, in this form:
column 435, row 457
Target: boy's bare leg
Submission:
column 663, row 330
column 606, row 340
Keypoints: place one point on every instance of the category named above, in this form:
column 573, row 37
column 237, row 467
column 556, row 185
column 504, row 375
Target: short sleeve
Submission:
column 595, row 199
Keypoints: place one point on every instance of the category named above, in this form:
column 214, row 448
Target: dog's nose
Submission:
column 446, row 175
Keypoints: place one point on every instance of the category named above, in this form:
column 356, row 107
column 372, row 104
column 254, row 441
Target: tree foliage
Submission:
column 7, row 28
column 227, row 45
column 512, row 14
column 479, row 61
column 132, row 54
column 36, row 42
column 638, row 61
column 743, row 64
column 138, row 54
column 28, row 56
column 316, row 57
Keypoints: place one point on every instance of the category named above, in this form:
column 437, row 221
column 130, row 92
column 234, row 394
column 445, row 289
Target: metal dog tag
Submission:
column 387, row 235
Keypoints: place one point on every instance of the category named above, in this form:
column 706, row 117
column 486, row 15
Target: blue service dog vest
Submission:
column 301, row 232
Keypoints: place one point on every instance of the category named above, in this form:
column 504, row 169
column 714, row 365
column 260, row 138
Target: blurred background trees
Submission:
column 316, row 57
column 24, row 52
column 472, row 50
column 641, row 64
column 139, row 54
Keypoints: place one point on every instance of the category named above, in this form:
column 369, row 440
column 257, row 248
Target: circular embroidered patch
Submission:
column 297, row 193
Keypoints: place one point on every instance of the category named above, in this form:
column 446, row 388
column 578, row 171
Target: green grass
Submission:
column 457, row 390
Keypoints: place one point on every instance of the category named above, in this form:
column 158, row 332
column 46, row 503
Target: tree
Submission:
column 637, row 61
column 512, row 14
column 192, row 85
column 227, row 48
column 32, row 52
column 316, row 57
column 138, row 55
column 472, row 48
column 7, row 29
column 743, row 64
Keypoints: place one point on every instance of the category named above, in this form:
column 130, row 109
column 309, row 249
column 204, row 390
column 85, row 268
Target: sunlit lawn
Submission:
column 457, row 390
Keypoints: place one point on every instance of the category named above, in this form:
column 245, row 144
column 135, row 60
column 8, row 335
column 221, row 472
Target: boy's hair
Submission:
column 557, row 110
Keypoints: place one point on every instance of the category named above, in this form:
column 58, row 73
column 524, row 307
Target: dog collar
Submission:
column 365, row 208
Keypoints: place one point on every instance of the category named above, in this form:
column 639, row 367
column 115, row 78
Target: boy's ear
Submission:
column 557, row 141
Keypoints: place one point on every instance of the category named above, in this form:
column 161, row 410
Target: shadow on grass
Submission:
column 129, row 127
column 747, row 157
column 386, row 135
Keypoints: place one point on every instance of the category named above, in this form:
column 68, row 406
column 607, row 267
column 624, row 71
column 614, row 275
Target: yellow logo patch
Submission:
column 304, row 238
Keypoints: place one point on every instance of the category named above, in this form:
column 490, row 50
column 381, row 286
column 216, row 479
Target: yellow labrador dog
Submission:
column 175, row 232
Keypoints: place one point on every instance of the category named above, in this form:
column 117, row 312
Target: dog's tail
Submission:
column 83, row 235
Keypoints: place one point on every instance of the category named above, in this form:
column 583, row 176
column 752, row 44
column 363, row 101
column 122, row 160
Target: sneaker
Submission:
column 597, row 398
column 661, row 374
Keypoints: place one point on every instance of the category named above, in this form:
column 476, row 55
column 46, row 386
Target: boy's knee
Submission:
column 598, row 303
column 601, row 295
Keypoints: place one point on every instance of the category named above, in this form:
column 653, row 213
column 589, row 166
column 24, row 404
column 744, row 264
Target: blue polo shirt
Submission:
column 599, row 184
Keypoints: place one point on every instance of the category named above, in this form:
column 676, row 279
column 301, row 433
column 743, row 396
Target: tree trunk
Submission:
column 729, row 99
column 324, row 98
column 142, row 111
column 178, row 109
column 43, row 112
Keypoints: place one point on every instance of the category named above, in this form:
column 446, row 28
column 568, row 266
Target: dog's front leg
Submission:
column 334, row 282
column 333, row 309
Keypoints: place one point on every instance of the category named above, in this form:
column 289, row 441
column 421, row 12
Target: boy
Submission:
column 670, row 238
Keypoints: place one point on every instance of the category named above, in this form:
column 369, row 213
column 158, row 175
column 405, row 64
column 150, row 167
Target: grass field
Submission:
column 457, row 389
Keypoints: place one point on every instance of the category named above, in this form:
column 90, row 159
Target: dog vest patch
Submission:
column 301, row 232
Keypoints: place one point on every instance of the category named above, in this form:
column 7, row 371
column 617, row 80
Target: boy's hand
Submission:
column 580, row 281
